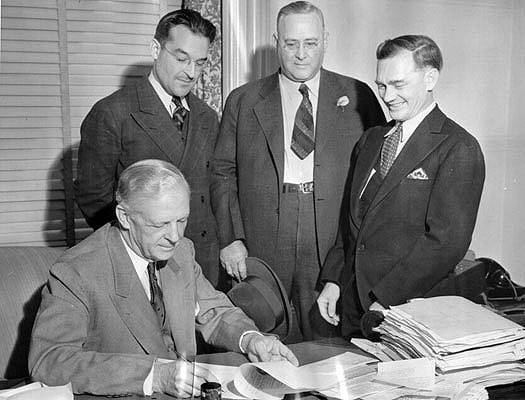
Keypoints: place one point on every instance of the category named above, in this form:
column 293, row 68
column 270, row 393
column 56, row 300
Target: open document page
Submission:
column 272, row 380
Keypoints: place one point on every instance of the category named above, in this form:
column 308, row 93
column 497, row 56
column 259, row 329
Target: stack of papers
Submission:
column 453, row 331
column 472, row 347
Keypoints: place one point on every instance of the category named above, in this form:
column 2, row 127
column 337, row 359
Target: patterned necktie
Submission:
column 179, row 115
column 389, row 149
column 303, row 130
column 156, row 301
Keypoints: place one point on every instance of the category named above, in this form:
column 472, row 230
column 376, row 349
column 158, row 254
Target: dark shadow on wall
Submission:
column 64, row 224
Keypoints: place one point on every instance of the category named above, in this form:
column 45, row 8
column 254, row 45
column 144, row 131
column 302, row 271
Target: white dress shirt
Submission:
column 165, row 97
column 295, row 169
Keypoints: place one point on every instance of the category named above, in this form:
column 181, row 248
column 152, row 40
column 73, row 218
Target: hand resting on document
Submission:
column 266, row 348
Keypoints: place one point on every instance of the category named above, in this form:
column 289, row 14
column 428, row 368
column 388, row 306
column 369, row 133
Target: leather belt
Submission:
column 306, row 187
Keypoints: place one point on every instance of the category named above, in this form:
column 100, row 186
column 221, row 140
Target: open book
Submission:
column 273, row 380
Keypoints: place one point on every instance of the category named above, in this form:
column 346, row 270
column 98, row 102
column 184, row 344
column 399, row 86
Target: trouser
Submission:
column 298, row 263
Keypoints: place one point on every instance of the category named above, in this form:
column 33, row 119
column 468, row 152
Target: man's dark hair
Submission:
column 424, row 50
column 189, row 18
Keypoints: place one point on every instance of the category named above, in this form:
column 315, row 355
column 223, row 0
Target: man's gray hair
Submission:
column 148, row 178
column 299, row 7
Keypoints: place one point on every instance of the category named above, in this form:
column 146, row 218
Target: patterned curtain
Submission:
column 209, row 86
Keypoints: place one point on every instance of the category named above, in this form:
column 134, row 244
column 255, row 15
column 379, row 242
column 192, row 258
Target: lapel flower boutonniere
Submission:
column 342, row 102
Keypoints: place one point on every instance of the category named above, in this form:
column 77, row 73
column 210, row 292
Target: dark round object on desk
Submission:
column 369, row 320
column 211, row 391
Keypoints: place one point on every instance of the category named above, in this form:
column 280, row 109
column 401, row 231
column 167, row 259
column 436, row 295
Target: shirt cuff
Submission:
column 242, row 337
column 147, row 387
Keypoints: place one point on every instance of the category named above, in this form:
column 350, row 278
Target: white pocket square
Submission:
column 418, row 174
column 197, row 308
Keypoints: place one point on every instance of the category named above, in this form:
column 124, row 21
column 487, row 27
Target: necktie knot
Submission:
column 304, row 90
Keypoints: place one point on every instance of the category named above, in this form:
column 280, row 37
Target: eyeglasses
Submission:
column 292, row 46
column 182, row 58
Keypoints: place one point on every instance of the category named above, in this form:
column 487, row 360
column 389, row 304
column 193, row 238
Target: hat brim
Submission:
column 262, row 296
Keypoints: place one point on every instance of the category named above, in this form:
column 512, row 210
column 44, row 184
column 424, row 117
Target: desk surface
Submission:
column 305, row 352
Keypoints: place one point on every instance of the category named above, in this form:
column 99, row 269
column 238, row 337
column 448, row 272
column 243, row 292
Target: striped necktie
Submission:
column 157, row 300
column 179, row 114
column 303, row 142
column 389, row 150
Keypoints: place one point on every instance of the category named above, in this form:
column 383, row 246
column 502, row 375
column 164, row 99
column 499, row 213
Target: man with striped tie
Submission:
column 156, row 117
column 281, row 161
column 412, row 195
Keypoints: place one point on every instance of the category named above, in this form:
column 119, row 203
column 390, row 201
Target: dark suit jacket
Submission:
column 247, row 173
column 96, row 328
column 131, row 125
column 415, row 230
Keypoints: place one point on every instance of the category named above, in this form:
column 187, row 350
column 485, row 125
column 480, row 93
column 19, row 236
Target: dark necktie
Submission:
column 303, row 142
column 179, row 115
column 389, row 149
column 156, row 301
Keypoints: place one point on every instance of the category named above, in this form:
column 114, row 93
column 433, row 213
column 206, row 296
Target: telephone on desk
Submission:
column 506, row 296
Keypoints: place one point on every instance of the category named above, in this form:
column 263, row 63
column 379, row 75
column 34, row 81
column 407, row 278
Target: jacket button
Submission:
column 203, row 233
column 207, row 164
column 361, row 247
column 202, row 199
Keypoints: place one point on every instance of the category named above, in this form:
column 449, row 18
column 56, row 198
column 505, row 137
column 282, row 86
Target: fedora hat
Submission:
column 262, row 297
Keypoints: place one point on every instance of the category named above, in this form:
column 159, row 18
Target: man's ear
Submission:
column 431, row 78
column 154, row 48
column 122, row 216
column 325, row 39
column 276, row 41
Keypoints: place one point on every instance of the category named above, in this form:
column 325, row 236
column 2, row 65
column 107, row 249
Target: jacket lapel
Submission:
column 327, row 112
column 198, row 133
column 365, row 162
column 156, row 121
column 130, row 299
column 270, row 118
column 423, row 141
column 180, row 306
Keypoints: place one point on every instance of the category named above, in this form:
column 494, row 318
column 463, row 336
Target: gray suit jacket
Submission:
column 131, row 125
column 96, row 328
column 247, row 172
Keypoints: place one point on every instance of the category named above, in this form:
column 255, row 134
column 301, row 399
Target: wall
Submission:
column 58, row 57
column 480, row 86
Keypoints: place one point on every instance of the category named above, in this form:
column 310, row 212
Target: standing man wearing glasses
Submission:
column 156, row 118
column 282, row 157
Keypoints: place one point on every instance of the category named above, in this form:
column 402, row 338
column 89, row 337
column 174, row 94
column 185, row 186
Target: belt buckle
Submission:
column 306, row 187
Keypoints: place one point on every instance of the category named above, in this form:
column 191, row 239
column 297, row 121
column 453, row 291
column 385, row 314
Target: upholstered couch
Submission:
column 23, row 272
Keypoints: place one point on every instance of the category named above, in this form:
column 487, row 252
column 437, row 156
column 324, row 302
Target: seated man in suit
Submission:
column 412, row 193
column 132, row 293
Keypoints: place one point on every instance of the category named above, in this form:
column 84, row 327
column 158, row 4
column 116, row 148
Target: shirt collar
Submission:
column 313, row 84
column 140, row 263
column 164, row 96
column 410, row 125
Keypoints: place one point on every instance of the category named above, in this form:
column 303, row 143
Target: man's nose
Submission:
column 190, row 69
column 300, row 53
column 173, row 234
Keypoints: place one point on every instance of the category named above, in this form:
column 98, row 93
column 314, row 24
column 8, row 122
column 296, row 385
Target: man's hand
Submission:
column 233, row 259
column 327, row 302
column 180, row 378
column 267, row 348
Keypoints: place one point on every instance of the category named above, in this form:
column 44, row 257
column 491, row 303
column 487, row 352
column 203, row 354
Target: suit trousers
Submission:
column 298, row 266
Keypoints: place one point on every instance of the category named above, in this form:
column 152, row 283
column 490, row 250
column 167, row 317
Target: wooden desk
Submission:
column 305, row 352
